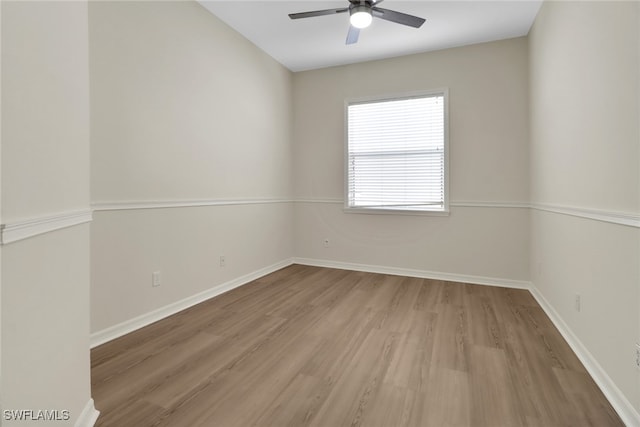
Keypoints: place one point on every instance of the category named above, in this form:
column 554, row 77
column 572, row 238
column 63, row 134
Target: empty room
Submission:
column 320, row 213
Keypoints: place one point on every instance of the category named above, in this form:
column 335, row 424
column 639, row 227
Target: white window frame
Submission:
column 444, row 92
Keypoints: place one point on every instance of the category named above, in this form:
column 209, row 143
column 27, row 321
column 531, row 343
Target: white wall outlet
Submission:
column 155, row 279
column 637, row 356
column 326, row 242
column 577, row 303
column 223, row 261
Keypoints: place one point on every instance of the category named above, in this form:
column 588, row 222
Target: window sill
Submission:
column 371, row 211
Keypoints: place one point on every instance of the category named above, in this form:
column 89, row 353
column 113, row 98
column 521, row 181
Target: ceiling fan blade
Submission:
column 397, row 17
column 352, row 35
column 317, row 13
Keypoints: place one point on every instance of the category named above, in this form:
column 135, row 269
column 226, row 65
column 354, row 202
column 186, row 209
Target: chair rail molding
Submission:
column 20, row 230
column 612, row 217
column 166, row 204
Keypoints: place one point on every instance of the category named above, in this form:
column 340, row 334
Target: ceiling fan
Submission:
column 361, row 14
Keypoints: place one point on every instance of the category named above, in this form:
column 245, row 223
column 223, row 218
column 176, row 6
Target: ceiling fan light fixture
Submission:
column 360, row 16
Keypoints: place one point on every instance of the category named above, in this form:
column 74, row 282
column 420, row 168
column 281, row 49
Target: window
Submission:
column 397, row 154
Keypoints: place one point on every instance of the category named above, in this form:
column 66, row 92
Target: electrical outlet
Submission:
column 577, row 302
column 637, row 356
column 155, row 279
column 326, row 242
column 223, row 261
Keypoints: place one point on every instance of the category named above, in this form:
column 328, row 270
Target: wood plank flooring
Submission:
column 308, row 346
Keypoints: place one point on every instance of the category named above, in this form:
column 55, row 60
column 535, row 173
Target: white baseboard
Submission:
column 425, row 274
column 620, row 403
column 131, row 325
column 88, row 416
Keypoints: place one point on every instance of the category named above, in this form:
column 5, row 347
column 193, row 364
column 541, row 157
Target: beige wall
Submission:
column 45, row 324
column 488, row 106
column 45, row 172
column 45, row 85
column 584, row 111
column 585, row 154
column 182, row 109
column 184, row 244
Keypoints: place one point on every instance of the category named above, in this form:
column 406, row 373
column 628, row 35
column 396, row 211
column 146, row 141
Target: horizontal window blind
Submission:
column 396, row 154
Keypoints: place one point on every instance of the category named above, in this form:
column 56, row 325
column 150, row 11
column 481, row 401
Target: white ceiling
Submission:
column 319, row 42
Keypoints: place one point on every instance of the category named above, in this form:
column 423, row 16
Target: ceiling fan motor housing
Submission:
column 360, row 14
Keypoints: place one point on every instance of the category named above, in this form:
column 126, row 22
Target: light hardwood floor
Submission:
column 309, row 346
